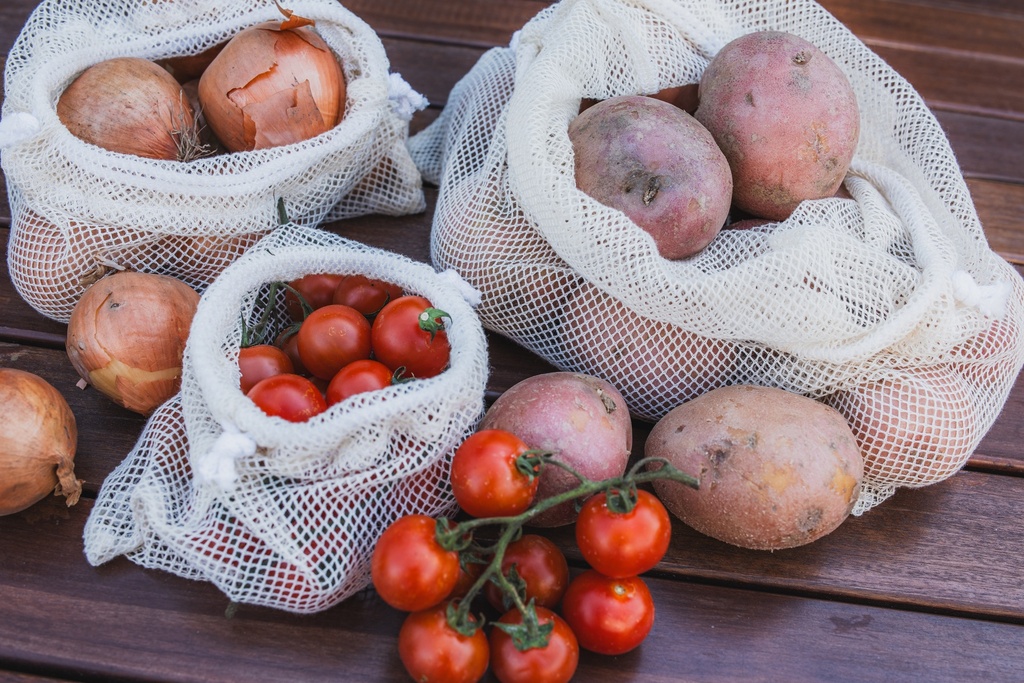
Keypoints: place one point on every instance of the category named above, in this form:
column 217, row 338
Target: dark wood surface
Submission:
column 927, row 586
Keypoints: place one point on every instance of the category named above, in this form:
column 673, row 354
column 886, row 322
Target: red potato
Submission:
column 582, row 419
column 914, row 428
column 650, row 361
column 658, row 165
column 777, row 470
column 786, row 117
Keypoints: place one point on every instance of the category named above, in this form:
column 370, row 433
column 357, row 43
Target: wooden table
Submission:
column 927, row 586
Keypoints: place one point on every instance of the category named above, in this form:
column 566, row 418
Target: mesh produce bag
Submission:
column 286, row 514
column 889, row 304
column 79, row 210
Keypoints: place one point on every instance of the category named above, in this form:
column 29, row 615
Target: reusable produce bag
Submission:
column 79, row 210
column 889, row 305
column 285, row 514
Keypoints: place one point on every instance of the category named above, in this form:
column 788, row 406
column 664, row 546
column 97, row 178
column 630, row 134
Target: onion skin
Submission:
column 272, row 86
column 127, row 334
column 132, row 106
column 38, row 440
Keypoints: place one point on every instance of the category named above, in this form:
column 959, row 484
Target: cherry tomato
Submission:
column 316, row 288
column 485, row 479
column 288, row 341
column 357, row 377
column 364, row 294
column 261, row 361
column 332, row 337
column 399, row 340
column 542, row 567
column 623, row 544
column 431, row 650
column 609, row 616
column 409, row 568
column 291, row 397
column 555, row 663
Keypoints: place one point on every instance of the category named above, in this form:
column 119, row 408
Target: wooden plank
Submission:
column 986, row 148
column 963, row 28
column 1000, row 207
column 700, row 629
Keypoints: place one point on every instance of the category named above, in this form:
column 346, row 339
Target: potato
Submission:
column 653, row 362
column 658, row 165
column 776, row 469
column 582, row 419
column 786, row 117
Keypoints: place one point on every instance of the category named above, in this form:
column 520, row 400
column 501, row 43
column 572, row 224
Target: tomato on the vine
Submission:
column 357, row 377
column 331, row 337
column 409, row 568
column 259, row 362
column 288, row 396
column 541, row 566
column 555, row 663
column 431, row 650
column 317, row 289
column 408, row 332
column 485, row 479
column 620, row 544
column 288, row 341
column 365, row 294
column 609, row 616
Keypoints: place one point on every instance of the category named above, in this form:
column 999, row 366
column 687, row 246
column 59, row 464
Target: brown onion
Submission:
column 38, row 439
column 127, row 335
column 132, row 106
column 273, row 84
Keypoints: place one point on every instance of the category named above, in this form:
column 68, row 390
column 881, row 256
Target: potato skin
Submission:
column 658, row 165
column 582, row 419
column 777, row 470
column 786, row 117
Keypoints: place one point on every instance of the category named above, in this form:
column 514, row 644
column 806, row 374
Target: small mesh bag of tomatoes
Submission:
column 884, row 299
column 82, row 207
column 286, row 513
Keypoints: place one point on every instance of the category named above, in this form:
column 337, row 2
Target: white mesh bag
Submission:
column 79, row 210
column 286, row 514
column 889, row 305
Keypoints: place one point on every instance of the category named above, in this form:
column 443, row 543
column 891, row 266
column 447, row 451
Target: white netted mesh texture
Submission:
column 889, row 305
column 78, row 209
column 289, row 522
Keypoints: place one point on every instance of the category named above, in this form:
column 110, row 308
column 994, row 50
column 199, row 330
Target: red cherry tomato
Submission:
column 409, row 568
column 555, row 663
column 364, row 294
column 400, row 340
column 431, row 650
column 357, row 377
column 623, row 544
column 609, row 616
column 317, row 289
column 485, row 479
column 541, row 566
column 288, row 341
column 259, row 362
column 332, row 337
column 291, row 397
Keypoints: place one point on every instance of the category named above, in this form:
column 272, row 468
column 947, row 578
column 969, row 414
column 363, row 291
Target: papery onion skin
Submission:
column 38, row 440
column 130, row 105
column 270, row 87
column 127, row 334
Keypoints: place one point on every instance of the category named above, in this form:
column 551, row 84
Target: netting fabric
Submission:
column 79, row 210
column 284, row 514
column 888, row 303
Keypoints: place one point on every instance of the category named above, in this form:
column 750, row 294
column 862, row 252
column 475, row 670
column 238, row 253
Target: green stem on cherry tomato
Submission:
column 622, row 496
column 432, row 321
column 251, row 336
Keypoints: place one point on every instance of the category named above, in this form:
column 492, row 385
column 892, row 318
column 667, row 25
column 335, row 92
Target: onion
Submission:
column 127, row 334
column 132, row 106
column 273, row 84
column 38, row 439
